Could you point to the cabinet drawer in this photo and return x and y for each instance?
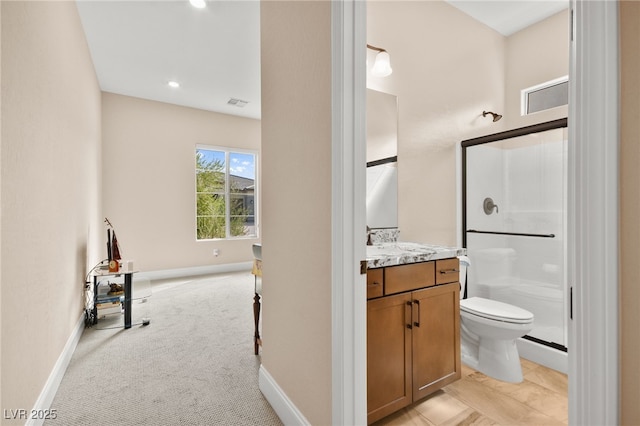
(447, 271)
(409, 277)
(375, 281)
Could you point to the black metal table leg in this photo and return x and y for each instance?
(127, 300)
(256, 318)
(94, 309)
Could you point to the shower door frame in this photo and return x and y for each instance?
(495, 137)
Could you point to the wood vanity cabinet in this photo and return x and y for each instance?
(413, 337)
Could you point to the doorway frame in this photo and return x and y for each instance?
(593, 210)
(593, 213)
(349, 314)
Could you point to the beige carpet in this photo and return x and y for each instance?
(193, 365)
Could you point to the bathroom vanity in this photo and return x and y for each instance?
(413, 323)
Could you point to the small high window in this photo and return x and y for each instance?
(225, 193)
(545, 96)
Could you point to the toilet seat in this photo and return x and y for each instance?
(494, 310)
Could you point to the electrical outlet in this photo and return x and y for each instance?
(216, 252)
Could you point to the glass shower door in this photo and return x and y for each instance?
(514, 218)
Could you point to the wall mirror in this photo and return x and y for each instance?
(382, 160)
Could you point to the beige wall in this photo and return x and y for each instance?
(629, 213)
(149, 180)
(296, 149)
(50, 181)
(448, 68)
(1, 404)
(535, 55)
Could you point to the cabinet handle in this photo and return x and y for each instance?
(374, 283)
(409, 326)
(449, 271)
(417, 323)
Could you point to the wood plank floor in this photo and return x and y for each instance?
(475, 399)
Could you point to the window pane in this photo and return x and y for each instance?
(210, 170)
(209, 181)
(237, 226)
(241, 204)
(548, 97)
(211, 227)
(243, 226)
(210, 205)
(242, 172)
(242, 215)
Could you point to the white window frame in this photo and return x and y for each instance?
(524, 93)
(227, 151)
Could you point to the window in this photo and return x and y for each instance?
(545, 96)
(225, 193)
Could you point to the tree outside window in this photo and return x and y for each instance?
(225, 193)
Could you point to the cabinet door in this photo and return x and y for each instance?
(435, 338)
(388, 355)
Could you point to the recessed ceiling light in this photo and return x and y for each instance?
(173, 84)
(198, 4)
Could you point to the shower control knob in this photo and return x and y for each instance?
(488, 205)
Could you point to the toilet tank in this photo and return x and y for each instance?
(464, 263)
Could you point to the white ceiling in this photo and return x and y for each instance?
(214, 53)
(509, 16)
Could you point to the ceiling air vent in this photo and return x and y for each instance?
(237, 102)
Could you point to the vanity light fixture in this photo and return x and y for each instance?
(382, 65)
(496, 117)
(173, 84)
(198, 4)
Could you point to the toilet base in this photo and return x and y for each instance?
(499, 359)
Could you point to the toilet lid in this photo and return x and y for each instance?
(492, 309)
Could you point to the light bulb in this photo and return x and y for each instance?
(382, 65)
(198, 4)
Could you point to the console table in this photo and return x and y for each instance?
(128, 278)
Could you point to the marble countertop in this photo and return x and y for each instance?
(400, 253)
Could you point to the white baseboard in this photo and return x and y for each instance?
(543, 355)
(282, 405)
(45, 399)
(195, 270)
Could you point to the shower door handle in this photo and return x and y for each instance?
(513, 234)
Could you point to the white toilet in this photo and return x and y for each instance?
(488, 331)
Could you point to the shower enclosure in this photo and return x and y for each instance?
(514, 221)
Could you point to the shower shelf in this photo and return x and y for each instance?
(517, 234)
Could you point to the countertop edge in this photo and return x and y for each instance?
(412, 256)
